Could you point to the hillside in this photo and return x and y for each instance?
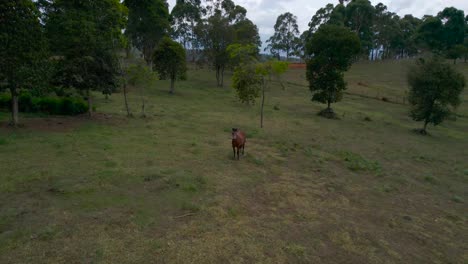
(165, 189)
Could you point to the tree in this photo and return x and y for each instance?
(226, 24)
(22, 49)
(185, 16)
(85, 36)
(408, 29)
(359, 18)
(251, 77)
(140, 77)
(430, 33)
(328, 15)
(465, 44)
(453, 27)
(266, 70)
(435, 89)
(148, 23)
(246, 33)
(386, 32)
(170, 61)
(242, 54)
(456, 52)
(285, 36)
(321, 17)
(331, 50)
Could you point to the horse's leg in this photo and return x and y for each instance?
(234, 151)
(238, 156)
(243, 149)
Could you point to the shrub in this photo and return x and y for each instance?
(50, 105)
(5, 101)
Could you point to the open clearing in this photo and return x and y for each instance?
(165, 189)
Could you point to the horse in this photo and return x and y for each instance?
(238, 142)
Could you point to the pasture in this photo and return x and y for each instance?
(165, 189)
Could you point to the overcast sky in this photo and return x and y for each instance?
(264, 12)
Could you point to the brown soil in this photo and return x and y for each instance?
(297, 66)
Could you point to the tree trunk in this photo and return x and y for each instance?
(222, 76)
(328, 104)
(125, 98)
(217, 75)
(143, 114)
(454, 61)
(14, 109)
(90, 104)
(424, 131)
(172, 85)
(263, 103)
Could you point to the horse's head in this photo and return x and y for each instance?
(234, 133)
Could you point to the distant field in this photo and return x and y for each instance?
(165, 189)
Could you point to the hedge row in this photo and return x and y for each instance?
(48, 105)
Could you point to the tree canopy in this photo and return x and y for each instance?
(285, 37)
(148, 23)
(22, 49)
(226, 24)
(435, 89)
(331, 51)
(169, 60)
(85, 36)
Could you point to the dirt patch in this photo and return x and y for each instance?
(297, 66)
(62, 123)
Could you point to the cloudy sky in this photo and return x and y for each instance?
(264, 12)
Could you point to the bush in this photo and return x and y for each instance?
(5, 101)
(50, 105)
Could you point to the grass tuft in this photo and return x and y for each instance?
(356, 162)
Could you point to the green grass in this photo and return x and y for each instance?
(166, 189)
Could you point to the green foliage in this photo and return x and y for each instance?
(23, 63)
(22, 44)
(331, 51)
(49, 105)
(240, 53)
(226, 24)
(456, 52)
(140, 76)
(246, 33)
(454, 26)
(444, 31)
(430, 33)
(148, 23)
(359, 18)
(184, 17)
(85, 36)
(169, 60)
(435, 89)
(321, 17)
(249, 75)
(356, 162)
(247, 83)
(285, 37)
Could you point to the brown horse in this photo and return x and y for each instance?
(238, 142)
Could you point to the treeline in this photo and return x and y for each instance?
(383, 34)
(72, 47)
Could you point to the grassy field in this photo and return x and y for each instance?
(165, 189)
